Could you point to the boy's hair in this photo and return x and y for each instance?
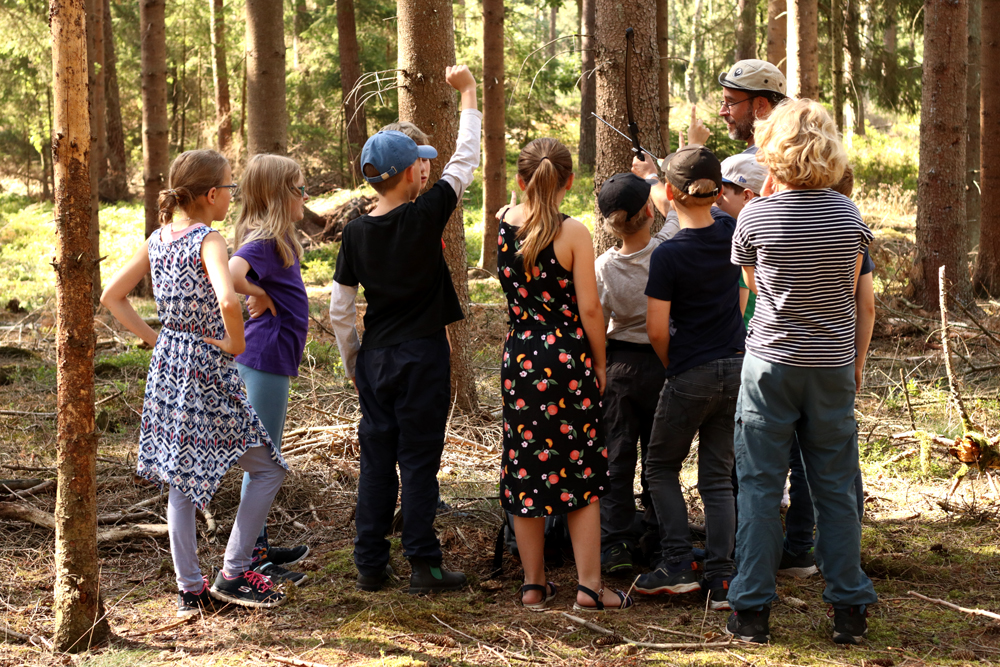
(388, 184)
(702, 186)
(267, 192)
(621, 227)
(192, 174)
(845, 185)
(545, 166)
(419, 137)
(799, 143)
(735, 189)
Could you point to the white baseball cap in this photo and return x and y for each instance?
(743, 170)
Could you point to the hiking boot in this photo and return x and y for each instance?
(278, 574)
(430, 577)
(190, 603)
(374, 582)
(617, 560)
(849, 624)
(279, 555)
(801, 566)
(248, 589)
(718, 593)
(750, 626)
(674, 578)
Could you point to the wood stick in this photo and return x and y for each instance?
(668, 647)
(129, 532)
(466, 441)
(24, 512)
(163, 628)
(956, 393)
(18, 484)
(976, 612)
(119, 516)
(8, 635)
(23, 413)
(293, 661)
(673, 632)
(934, 437)
(513, 654)
(903, 454)
(44, 487)
(906, 392)
(346, 420)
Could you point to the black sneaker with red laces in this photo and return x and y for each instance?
(247, 589)
(850, 624)
(191, 603)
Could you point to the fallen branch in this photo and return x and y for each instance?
(902, 455)
(466, 441)
(293, 661)
(933, 437)
(964, 610)
(163, 628)
(129, 532)
(23, 512)
(667, 647)
(44, 487)
(512, 654)
(22, 413)
(118, 517)
(8, 635)
(19, 484)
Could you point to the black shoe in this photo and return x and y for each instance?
(374, 582)
(428, 577)
(673, 578)
(190, 603)
(802, 566)
(750, 626)
(849, 624)
(280, 555)
(617, 560)
(718, 593)
(278, 574)
(249, 589)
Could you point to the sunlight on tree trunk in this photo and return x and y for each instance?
(587, 149)
(987, 278)
(746, 29)
(350, 72)
(777, 34)
(855, 83)
(803, 49)
(115, 186)
(494, 130)
(663, 46)
(267, 113)
(155, 130)
(95, 85)
(837, 50)
(691, 73)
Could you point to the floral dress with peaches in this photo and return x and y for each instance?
(554, 458)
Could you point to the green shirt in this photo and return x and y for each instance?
(751, 302)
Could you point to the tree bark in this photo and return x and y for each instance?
(803, 49)
(95, 85)
(746, 29)
(691, 73)
(350, 72)
(663, 46)
(987, 278)
(941, 218)
(837, 52)
(553, 15)
(494, 130)
(426, 47)
(587, 148)
(114, 187)
(155, 127)
(267, 113)
(890, 85)
(855, 84)
(220, 78)
(614, 154)
(79, 611)
(777, 34)
(973, 196)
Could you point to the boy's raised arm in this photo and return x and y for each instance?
(459, 170)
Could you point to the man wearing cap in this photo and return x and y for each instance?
(750, 90)
(694, 324)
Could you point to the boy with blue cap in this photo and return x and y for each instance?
(402, 368)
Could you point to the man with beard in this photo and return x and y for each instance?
(750, 90)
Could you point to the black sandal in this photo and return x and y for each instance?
(625, 603)
(540, 605)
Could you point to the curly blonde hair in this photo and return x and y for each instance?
(799, 143)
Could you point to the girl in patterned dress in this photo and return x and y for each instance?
(196, 421)
(552, 377)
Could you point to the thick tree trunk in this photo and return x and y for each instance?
(691, 73)
(220, 78)
(890, 85)
(746, 29)
(803, 49)
(837, 51)
(267, 113)
(614, 154)
(114, 187)
(663, 46)
(855, 83)
(494, 142)
(155, 129)
(553, 15)
(95, 84)
(987, 279)
(973, 196)
(777, 33)
(350, 72)
(426, 47)
(941, 219)
(79, 612)
(300, 21)
(587, 149)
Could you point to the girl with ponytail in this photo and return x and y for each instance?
(552, 378)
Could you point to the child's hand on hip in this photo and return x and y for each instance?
(459, 77)
(258, 304)
(227, 344)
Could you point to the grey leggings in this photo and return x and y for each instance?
(265, 480)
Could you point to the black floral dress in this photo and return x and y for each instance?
(554, 458)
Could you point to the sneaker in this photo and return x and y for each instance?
(718, 593)
(802, 566)
(374, 582)
(849, 624)
(428, 577)
(249, 589)
(673, 578)
(191, 603)
(280, 555)
(278, 574)
(617, 559)
(750, 626)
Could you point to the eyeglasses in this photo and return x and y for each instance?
(726, 106)
(232, 187)
(302, 190)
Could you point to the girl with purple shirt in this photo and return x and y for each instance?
(265, 267)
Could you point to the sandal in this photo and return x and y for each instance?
(625, 603)
(540, 605)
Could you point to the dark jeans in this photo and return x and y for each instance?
(635, 379)
(403, 390)
(699, 401)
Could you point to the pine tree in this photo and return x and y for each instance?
(803, 49)
(987, 277)
(350, 72)
(155, 128)
(494, 130)
(267, 113)
(220, 77)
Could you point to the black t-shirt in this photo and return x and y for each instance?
(693, 272)
(398, 258)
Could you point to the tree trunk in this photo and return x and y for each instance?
(587, 149)
(803, 49)
(855, 84)
(300, 21)
(614, 154)
(350, 72)
(95, 85)
(155, 128)
(220, 78)
(691, 73)
(777, 33)
(987, 279)
(267, 114)
(114, 187)
(495, 144)
(837, 50)
(553, 15)
(79, 611)
(746, 29)
(941, 218)
(663, 46)
(973, 196)
(890, 85)
(426, 47)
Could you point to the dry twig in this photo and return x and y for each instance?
(666, 647)
(975, 612)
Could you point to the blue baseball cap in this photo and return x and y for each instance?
(390, 152)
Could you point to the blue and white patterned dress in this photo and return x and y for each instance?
(196, 420)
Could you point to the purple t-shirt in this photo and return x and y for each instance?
(275, 342)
